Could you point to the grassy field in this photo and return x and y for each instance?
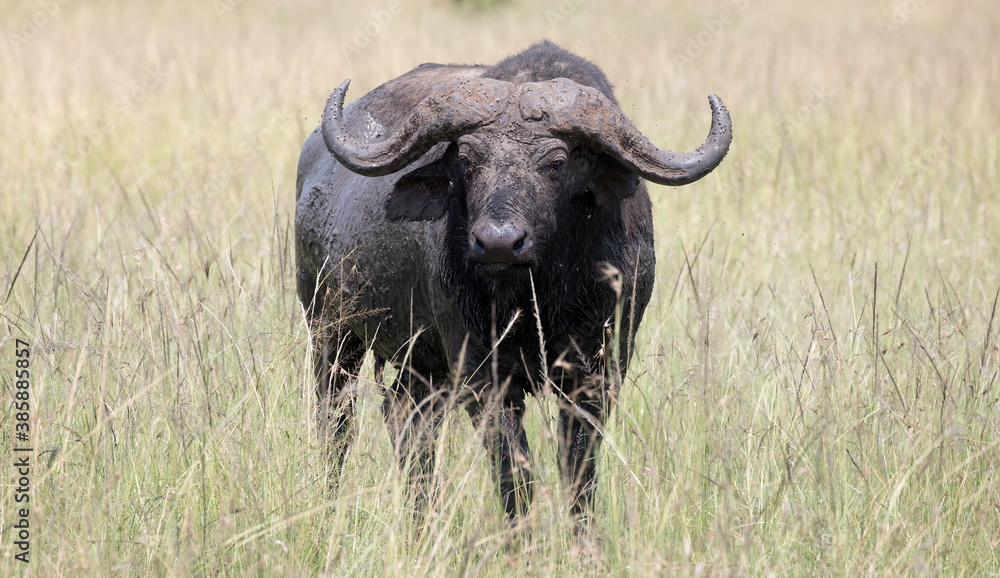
(815, 389)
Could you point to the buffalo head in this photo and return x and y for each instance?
(519, 155)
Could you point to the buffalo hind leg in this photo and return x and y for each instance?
(580, 423)
(337, 359)
(412, 413)
(507, 447)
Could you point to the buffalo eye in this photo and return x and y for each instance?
(465, 162)
(556, 165)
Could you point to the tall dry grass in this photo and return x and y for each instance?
(815, 386)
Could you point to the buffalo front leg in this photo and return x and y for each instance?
(412, 413)
(337, 358)
(507, 447)
(580, 423)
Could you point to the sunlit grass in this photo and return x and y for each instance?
(814, 389)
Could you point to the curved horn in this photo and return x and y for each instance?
(584, 112)
(456, 108)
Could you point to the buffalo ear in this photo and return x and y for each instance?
(421, 195)
(612, 181)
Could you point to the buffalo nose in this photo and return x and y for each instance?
(493, 243)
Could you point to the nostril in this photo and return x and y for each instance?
(492, 242)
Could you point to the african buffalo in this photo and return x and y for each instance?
(486, 230)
